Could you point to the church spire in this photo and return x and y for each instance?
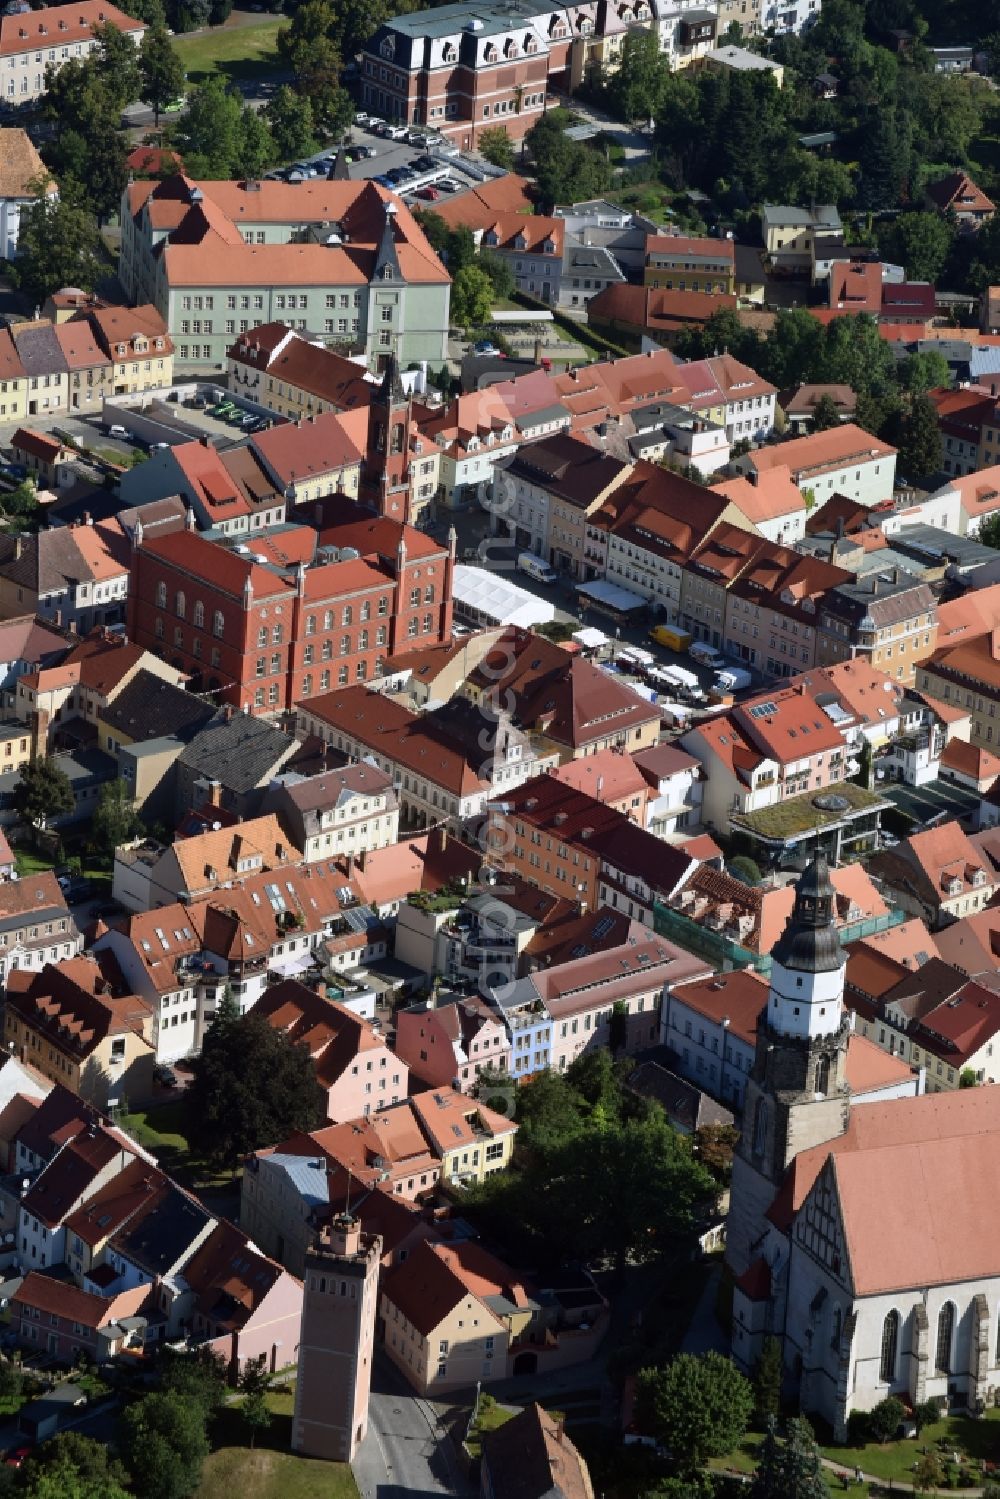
(809, 943)
(386, 258)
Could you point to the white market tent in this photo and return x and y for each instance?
(590, 639)
(493, 600)
(605, 595)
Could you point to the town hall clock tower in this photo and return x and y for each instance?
(797, 1094)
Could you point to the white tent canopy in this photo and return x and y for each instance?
(590, 639)
(493, 600)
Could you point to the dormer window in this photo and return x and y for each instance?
(387, 273)
(121, 349)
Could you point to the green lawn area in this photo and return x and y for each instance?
(31, 861)
(491, 1417)
(270, 1471)
(237, 51)
(977, 1441)
(161, 1129)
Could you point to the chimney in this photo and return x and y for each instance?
(362, 857)
(205, 440)
(88, 519)
(350, 865)
(215, 793)
(442, 838)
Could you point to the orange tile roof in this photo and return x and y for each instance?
(870, 1068)
(61, 25)
(774, 495)
(736, 998)
(822, 450)
(477, 208)
(436, 1278)
(910, 943)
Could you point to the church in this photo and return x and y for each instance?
(863, 1230)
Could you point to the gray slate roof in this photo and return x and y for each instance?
(239, 752)
(150, 708)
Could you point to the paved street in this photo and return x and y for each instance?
(406, 1450)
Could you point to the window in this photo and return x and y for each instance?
(161, 595)
(180, 605)
(199, 614)
(837, 1327)
(759, 1127)
(218, 624)
(945, 1337)
(890, 1346)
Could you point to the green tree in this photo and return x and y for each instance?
(792, 1469)
(471, 297)
(164, 1445)
(309, 49)
(290, 117)
(767, 1380)
(925, 1413)
(256, 151)
(20, 507)
(989, 531)
(115, 61)
(199, 1376)
(209, 135)
(745, 869)
(62, 1481)
(251, 1086)
(921, 242)
(497, 147)
(87, 1460)
(58, 245)
(920, 446)
(637, 88)
(11, 1379)
(253, 1387)
(884, 1418)
(864, 773)
(826, 414)
(43, 792)
(928, 1472)
(967, 1078)
(115, 819)
(160, 69)
(924, 371)
(500, 274)
(698, 1407)
(565, 170)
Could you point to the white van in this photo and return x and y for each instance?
(706, 655)
(536, 568)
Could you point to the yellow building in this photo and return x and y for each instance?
(64, 1023)
(680, 262)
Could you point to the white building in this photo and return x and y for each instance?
(790, 17)
(844, 460)
(33, 41)
(822, 1238)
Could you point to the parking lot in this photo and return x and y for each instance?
(417, 164)
(924, 804)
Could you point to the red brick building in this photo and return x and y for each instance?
(265, 636)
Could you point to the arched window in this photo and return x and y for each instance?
(311, 624)
(178, 637)
(348, 617)
(366, 610)
(180, 604)
(218, 623)
(837, 1328)
(890, 1347)
(199, 614)
(823, 1076)
(945, 1337)
(158, 628)
(161, 595)
(759, 1127)
(363, 640)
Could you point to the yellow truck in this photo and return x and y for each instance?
(670, 636)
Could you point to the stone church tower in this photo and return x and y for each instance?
(797, 1094)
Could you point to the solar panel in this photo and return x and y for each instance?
(763, 710)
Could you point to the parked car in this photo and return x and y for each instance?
(446, 185)
(423, 163)
(116, 430)
(485, 346)
(430, 193)
(395, 132)
(165, 1076)
(361, 118)
(16, 1457)
(365, 153)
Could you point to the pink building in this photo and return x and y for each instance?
(354, 1066)
(239, 1302)
(449, 1041)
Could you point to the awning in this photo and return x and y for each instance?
(296, 963)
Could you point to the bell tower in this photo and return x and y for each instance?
(797, 1094)
(385, 478)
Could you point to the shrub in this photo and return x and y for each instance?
(884, 1418)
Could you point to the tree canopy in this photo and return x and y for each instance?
(164, 1445)
(595, 1166)
(698, 1407)
(252, 1086)
(43, 791)
(58, 245)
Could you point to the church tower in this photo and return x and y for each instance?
(797, 1094)
(385, 476)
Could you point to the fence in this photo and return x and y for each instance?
(726, 953)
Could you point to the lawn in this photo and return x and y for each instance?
(31, 861)
(975, 1440)
(236, 51)
(163, 1129)
(491, 1417)
(270, 1471)
(800, 814)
